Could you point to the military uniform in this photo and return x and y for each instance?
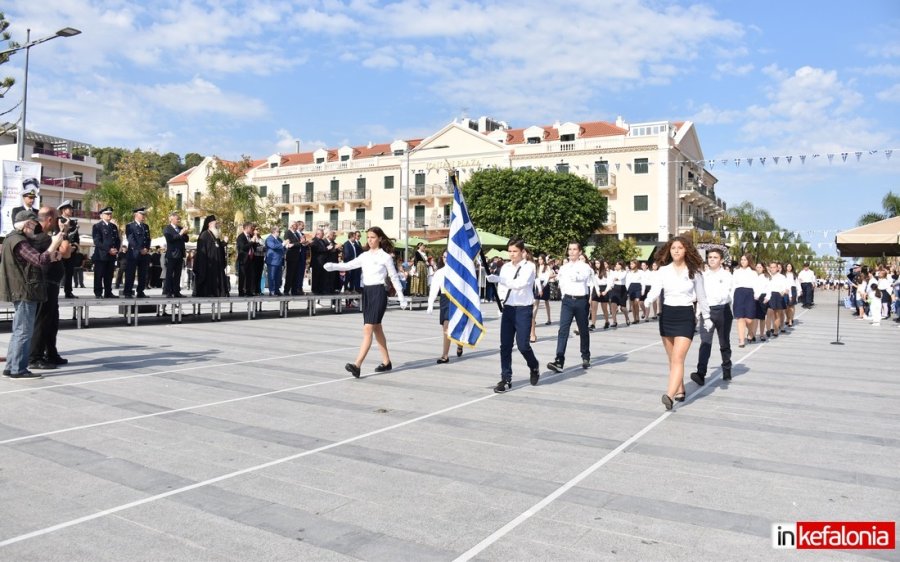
(106, 238)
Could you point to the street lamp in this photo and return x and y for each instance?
(64, 32)
(406, 230)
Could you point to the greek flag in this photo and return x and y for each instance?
(460, 282)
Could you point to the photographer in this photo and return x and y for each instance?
(66, 212)
(44, 354)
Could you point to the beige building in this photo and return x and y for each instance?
(64, 174)
(650, 173)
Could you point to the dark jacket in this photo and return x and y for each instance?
(175, 241)
(106, 236)
(19, 280)
(138, 236)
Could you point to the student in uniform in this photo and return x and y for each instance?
(747, 290)
(376, 263)
(618, 295)
(576, 282)
(634, 285)
(792, 294)
(542, 276)
(437, 289)
(762, 284)
(597, 295)
(719, 287)
(681, 277)
(517, 275)
(651, 278)
(776, 289)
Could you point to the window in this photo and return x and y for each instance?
(196, 224)
(335, 188)
(601, 173)
(320, 160)
(308, 219)
(419, 216)
(389, 182)
(360, 217)
(360, 183)
(197, 197)
(388, 213)
(534, 140)
(345, 157)
(641, 165)
(286, 193)
(309, 192)
(177, 201)
(641, 202)
(398, 152)
(333, 219)
(79, 177)
(76, 205)
(562, 168)
(273, 164)
(285, 219)
(263, 190)
(420, 179)
(567, 138)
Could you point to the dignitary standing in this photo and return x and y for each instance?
(576, 281)
(294, 259)
(681, 278)
(176, 238)
(275, 251)
(138, 256)
(209, 262)
(106, 247)
(319, 255)
(517, 276)
(719, 287)
(244, 261)
(377, 263)
(66, 213)
(351, 251)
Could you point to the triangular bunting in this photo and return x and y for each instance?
(887, 154)
(775, 159)
(749, 161)
(830, 157)
(762, 160)
(802, 159)
(789, 158)
(858, 154)
(737, 162)
(844, 156)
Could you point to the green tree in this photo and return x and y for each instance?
(7, 82)
(612, 250)
(890, 206)
(547, 209)
(192, 159)
(229, 198)
(134, 184)
(768, 243)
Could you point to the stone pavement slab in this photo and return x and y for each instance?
(247, 440)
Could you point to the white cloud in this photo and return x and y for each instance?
(891, 94)
(321, 22)
(732, 69)
(287, 143)
(888, 70)
(380, 60)
(202, 96)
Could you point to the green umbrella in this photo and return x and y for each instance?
(489, 240)
(413, 242)
(495, 253)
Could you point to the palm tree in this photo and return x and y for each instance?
(891, 207)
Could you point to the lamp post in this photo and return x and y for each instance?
(406, 227)
(64, 32)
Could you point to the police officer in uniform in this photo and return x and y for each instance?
(29, 194)
(138, 257)
(106, 246)
(66, 212)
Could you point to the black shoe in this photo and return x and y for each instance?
(667, 402)
(353, 369)
(6, 373)
(443, 360)
(606, 325)
(502, 387)
(26, 374)
(535, 376)
(459, 350)
(556, 366)
(726, 374)
(577, 333)
(141, 296)
(71, 297)
(678, 397)
(592, 327)
(111, 296)
(41, 365)
(178, 296)
(57, 360)
(547, 323)
(382, 367)
(585, 363)
(698, 378)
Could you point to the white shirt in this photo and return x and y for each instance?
(651, 278)
(806, 276)
(777, 283)
(617, 277)
(437, 285)
(542, 278)
(719, 286)
(519, 279)
(633, 277)
(747, 278)
(680, 289)
(376, 265)
(575, 279)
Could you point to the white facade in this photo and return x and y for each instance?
(649, 172)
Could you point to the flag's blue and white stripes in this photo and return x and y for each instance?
(461, 283)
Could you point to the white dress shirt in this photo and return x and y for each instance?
(806, 276)
(617, 277)
(437, 286)
(680, 289)
(634, 276)
(747, 278)
(575, 279)
(519, 280)
(777, 283)
(376, 265)
(719, 286)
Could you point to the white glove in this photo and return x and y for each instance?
(430, 309)
(329, 266)
(404, 304)
(708, 324)
(493, 278)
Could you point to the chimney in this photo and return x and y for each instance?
(620, 123)
(369, 145)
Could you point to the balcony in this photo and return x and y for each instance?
(303, 199)
(356, 195)
(328, 196)
(327, 225)
(355, 225)
(420, 192)
(610, 225)
(82, 214)
(283, 200)
(439, 221)
(441, 190)
(693, 222)
(70, 183)
(606, 183)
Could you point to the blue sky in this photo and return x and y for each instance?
(255, 76)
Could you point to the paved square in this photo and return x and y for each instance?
(246, 440)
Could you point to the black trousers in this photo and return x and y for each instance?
(103, 274)
(172, 285)
(807, 293)
(70, 273)
(721, 318)
(245, 277)
(291, 274)
(46, 327)
(142, 265)
(578, 309)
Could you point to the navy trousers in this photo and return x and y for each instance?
(515, 323)
(573, 308)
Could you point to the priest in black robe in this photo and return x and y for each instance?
(209, 262)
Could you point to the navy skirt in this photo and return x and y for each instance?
(793, 301)
(744, 305)
(761, 309)
(776, 301)
(599, 297)
(374, 303)
(445, 309)
(677, 322)
(618, 295)
(544, 295)
(634, 291)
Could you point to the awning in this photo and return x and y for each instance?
(874, 240)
